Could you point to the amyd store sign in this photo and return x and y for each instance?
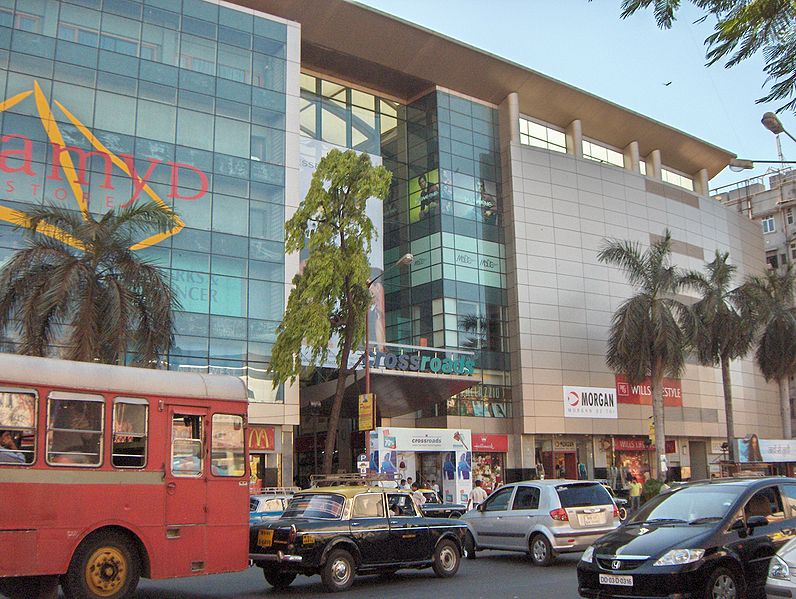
(68, 170)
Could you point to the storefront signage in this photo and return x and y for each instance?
(589, 402)
(70, 164)
(641, 444)
(491, 443)
(755, 449)
(641, 394)
(564, 446)
(418, 363)
(424, 439)
(366, 412)
(261, 438)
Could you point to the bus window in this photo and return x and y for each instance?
(129, 432)
(74, 429)
(17, 426)
(186, 445)
(228, 455)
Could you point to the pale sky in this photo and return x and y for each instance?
(587, 45)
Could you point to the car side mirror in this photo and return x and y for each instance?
(738, 525)
(756, 522)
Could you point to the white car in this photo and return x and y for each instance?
(781, 581)
(541, 518)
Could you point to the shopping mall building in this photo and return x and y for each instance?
(505, 183)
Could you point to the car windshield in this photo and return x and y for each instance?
(316, 505)
(582, 494)
(690, 505)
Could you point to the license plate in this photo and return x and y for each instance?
(265, 538)
(591, 519)
(613, 579)
(308, 539)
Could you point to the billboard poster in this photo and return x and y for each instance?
(590, 402)
(424, 196)
(310, 153)
(366, 419)
(641, 394)
(754, 449)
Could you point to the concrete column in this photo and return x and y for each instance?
(575, 139)
(701, 185)
(509, 119)
(632, 157)
(654, 164)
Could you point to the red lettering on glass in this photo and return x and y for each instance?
(175, 180)
(26, 152)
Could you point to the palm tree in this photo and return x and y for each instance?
(719, 331)
(87, 277)
(646, 338)
(770, 301)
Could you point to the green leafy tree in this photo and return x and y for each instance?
(112, 301)
(720, 331)
(770, 302)
(646, 339)
(743, 27)
(330, 297)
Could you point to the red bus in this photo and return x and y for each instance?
(110, 473)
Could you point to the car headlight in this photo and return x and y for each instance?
(779, 569)
(677, 557)
(588, 555)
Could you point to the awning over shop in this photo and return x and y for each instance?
(397, 393)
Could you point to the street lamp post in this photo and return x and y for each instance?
(402, 261)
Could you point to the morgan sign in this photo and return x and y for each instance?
(589, 402)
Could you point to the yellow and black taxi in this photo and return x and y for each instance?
(342, 531)
(709, 539)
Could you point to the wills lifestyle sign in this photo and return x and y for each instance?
(69, 165)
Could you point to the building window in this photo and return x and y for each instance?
(793, 251)
(768, 225)
(772, 261)
(789, 216)
(599, 153)
(677, 179)
(540, 136)
(643, 167)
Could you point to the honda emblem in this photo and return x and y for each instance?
(616, 564)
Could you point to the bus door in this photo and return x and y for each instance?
(186, 490)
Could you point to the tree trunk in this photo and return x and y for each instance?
(727, 386)
(784, 402)
(657, 417)
(337, 404)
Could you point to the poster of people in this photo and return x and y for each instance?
(424, 196)
(311, 152)
(754, 449)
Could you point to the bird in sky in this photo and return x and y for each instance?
(667, 83)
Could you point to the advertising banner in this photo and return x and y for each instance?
(311, 151)
(424, 196)
(640, 444)
(486, 443)
(366, 412)
(755, 449)
(642, 394)
(589, 402)
(424, 439)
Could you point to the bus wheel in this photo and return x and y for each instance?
(105, 566)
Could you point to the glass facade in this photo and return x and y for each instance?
(182, 101)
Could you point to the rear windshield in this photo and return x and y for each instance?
(582, 494)
(317, 505)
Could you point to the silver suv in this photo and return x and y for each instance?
(542, 518)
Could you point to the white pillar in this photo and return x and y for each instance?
(654, 164)
(575, 139)
(701, 185)
(632, 157)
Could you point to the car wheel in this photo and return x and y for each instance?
(622, 514)
(469, 545)
(105, 565)
(338, 571)
(278, 580)
(723, 584)
(446, 559)
(541, 550)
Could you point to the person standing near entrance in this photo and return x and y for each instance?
(478, 495)
(635, 494)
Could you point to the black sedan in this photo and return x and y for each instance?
(436, 508)
(338, 532)
(711, 539)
